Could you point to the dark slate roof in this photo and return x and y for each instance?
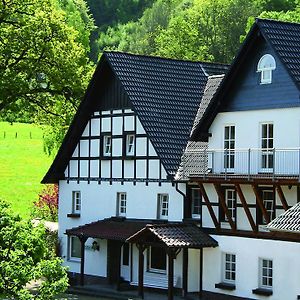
(289, 221)
(113, 229)
(178, 235)
(283, 38)
(191, 160)
(165, 94)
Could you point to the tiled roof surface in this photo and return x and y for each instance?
(112, 229)
(285, 39)
(177, 235)
(289, 221)
(191, 160)
(165, 94)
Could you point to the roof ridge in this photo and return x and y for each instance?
(164, 58)
(257, 20)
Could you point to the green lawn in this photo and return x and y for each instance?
(22, 165)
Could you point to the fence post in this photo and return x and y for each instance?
(16, 135)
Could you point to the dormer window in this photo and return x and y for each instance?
(265, 66)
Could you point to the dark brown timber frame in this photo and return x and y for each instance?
(281, 197)
(260, 203)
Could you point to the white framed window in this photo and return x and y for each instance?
(265, 273)
(156, 260)
(76, 202)
(229, 267)
(163, 206)
(107, 145)
(267, 144)
(74, 248)
(265, 66)
(196, 203)
(268, 197)
(130, 139)
(121, 204)
(229, 146)
(230, 198)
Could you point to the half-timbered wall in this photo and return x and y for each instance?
(88, 162)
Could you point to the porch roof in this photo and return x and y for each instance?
(111, 229)
(176, 235)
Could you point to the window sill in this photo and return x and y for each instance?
(73, 215)
(225, 286)
(263, 292)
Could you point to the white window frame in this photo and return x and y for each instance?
(266, 71)
(196, 207)
(266, 152)
(266, 273)
(107, 145)
(163, 206)
(121, 204)
(71, 244)
(269, 205)
(231, 203)
(229, 146)
(229, 267)
(76, 202)
(149, 267)
(130, 141)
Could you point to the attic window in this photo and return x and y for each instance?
(265, 66)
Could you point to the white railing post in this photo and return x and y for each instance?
(249, 163)
(274, 163)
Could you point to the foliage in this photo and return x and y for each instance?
(42, 59)
(23, 165)
(25, 257)
(47, 205)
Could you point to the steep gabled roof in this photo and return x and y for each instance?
(165, 94)
(282, 37)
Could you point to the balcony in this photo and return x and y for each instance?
(245, 164)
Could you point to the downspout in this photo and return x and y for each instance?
(184, 198)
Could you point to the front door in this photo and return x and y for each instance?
(125, 261)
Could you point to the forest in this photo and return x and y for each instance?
(49, 48)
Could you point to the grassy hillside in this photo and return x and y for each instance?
(22, 165)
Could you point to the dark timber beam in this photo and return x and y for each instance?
(201, 274)
(260, 203)
(141, 248)
(82, 239)
(172, 253)
(281, 197)
(245, 206)
(209, 206)
(224, 206)
(185, 262)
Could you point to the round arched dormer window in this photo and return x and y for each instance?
(265, 66)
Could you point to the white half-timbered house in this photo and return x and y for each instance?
(115, 171)
(244, 158)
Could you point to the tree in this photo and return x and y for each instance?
(46, 206)
(24, 257)
(42, 61)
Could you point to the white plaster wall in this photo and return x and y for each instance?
(99, 201)
(286, 266)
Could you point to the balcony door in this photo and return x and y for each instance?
(267, 145)
(229, 148)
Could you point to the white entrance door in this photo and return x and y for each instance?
(125, 262)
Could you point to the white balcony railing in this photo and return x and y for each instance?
(246, 162)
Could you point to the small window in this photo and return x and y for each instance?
(157, 260)
(163, 206)
(196, 203)
(107, 145)
(265, 66)
(266, 273)
(268, 197)
(121, 204)
(76, 202)
(230, 198)
(74, 248)
(130, 138)
(229, 263)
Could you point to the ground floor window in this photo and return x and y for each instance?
(74, 248)
(266, 273)
(156, 260)
(229, 262)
